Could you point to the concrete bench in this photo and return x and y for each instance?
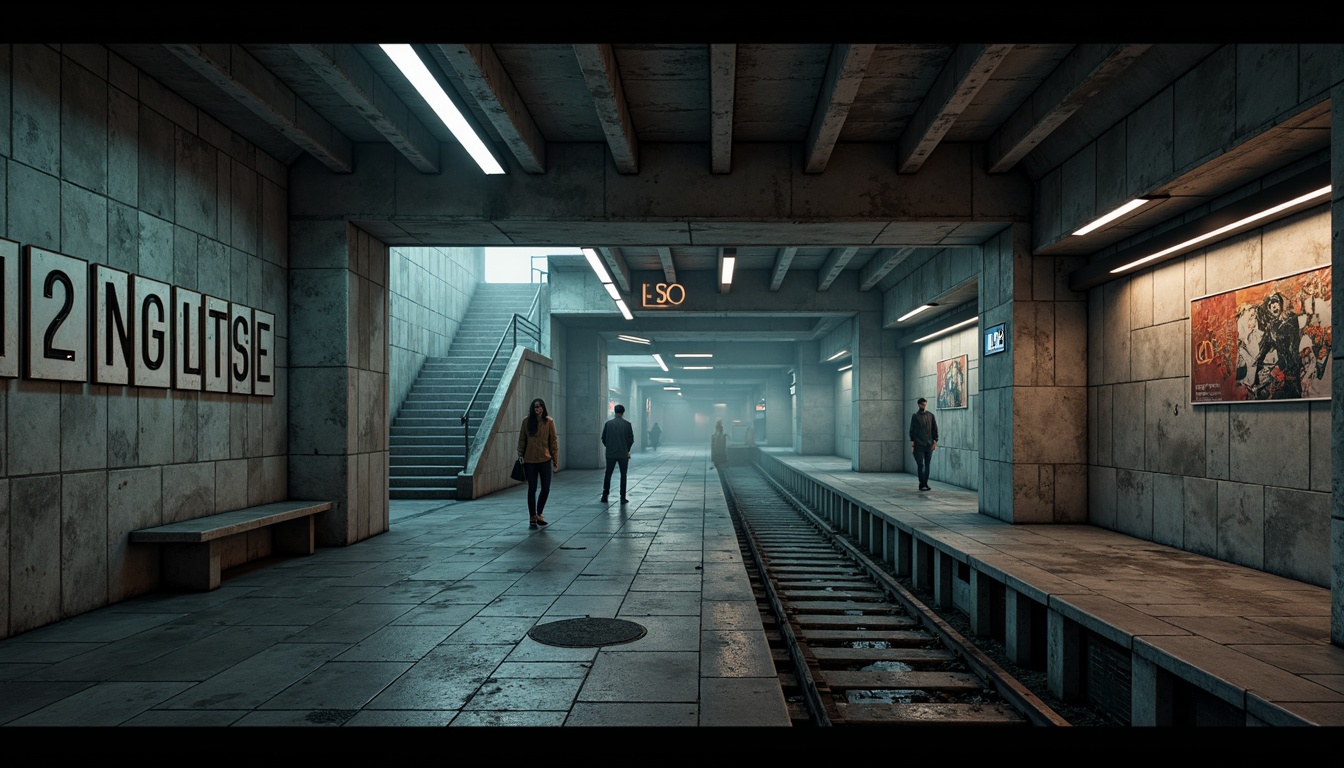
(192, 551)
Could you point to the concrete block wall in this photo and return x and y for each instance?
(103, 164)
(429, 290)
(1248, 483)
(844, 407)
(957, 459)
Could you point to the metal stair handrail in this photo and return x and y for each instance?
(530, 329)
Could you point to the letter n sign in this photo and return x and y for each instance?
(56, 325)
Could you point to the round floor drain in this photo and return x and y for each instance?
(587, 632)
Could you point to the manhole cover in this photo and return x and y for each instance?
(587, 633)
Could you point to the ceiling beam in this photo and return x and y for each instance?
(782, 261)
(844, 74)
(342, 68)
(620, 271)
(598, 64)
(882, 262)
(494, 92)
(722, 83)
(669, 269)
(834, 265)
(245, 79)
(970, 67)
(1088, 69)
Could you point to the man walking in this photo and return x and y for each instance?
(619, 437)
(923, 441)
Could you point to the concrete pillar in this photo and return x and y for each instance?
(1337, 386)
(338, 377)
(1150, 693)
(982, 604)
(943, 567)
(877, 426)
(1064, 654)
(813, 403)
(1017, 635)
(1029, 474)
(584, 373)
(778, 413)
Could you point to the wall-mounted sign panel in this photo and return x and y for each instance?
(9, 309)
(113, 347)
(996, 339)
(216, 321)
(240, 349)
(662, 295)
(153, 321)
(188, 339)
(263, 344)
(57, 317)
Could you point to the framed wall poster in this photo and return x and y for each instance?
(952, 383)
(1262, 342)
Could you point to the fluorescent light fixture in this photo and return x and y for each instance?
(611, 291)
(672, 389)
(625, 311)
(635, 339)
(661, 379)
(697, 367)
(726, 271)
(595, 262)
(693, 354)
(1113, 215)
(414, 69)
(948, 329)
(1323, 191)
(915, 311)
(838, 355)
(659, 359)
(844, 368)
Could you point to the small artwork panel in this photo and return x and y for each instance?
(952, 377)
(1267, 341)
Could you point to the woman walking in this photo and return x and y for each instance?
(539, 450)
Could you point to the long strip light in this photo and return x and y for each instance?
(697, 367)
(726, 273)
(672, 389)
(838, 355)
(406, 59)
(693, 354)
(1113, 215)
(595, 262)
(657, 358)
(1312, 195)
(625, 311)
(948, 329)
(635, 339)
(844, 368)
(915, 311)
(661, 379)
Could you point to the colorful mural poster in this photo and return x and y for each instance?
(952, 383)
(1268, 341)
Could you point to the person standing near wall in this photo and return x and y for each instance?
(655, 435)
(718, 446)
(923, 441)
(618, 437)
(539, 450)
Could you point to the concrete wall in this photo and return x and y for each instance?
(1248, 483)
(429, 291)
(957, 459)
(102, 164)
(844, 409)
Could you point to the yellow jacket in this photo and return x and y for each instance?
(541, 447)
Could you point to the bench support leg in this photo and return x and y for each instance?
(191, 566)
(295, 537)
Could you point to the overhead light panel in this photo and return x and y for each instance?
(844, 367)
(612, 292)
(635, 339)
(915, 311)
(947, 330)
(726, 270)
(406, 59)
(595, 261)
(661, 379)
(838, 355)
(693, 354)
(697, 367)
(625, 311)
(672, 389)
(1137, 202)
(657, 358)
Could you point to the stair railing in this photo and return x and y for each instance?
(517, 324)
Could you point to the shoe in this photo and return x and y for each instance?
(925, 488)
(541, 520)
(624, 500)
(532, 523)
(604, 498)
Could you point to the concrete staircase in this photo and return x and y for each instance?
(427, 436)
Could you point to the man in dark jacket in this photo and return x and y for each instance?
(619, 437)
(923, 441)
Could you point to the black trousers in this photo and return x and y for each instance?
(612, 463)
(537, 474)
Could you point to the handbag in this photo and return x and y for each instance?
(518, 473)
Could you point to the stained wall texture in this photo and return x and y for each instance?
(429, 291)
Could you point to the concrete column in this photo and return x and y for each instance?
(1030, 473)
(813, 403)
(876, 429)
(1017, 636)
(943, 566)
(1150, 694)
(1063, 656)
(584, 372)
(338, 377)
(1337, 386)
(778, 413)
(982, 604)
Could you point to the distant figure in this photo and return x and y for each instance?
(718, 446)
(618, 436)
(539, 450)
(923, 441)
(655, 435)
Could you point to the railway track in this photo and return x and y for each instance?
(852, 646)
